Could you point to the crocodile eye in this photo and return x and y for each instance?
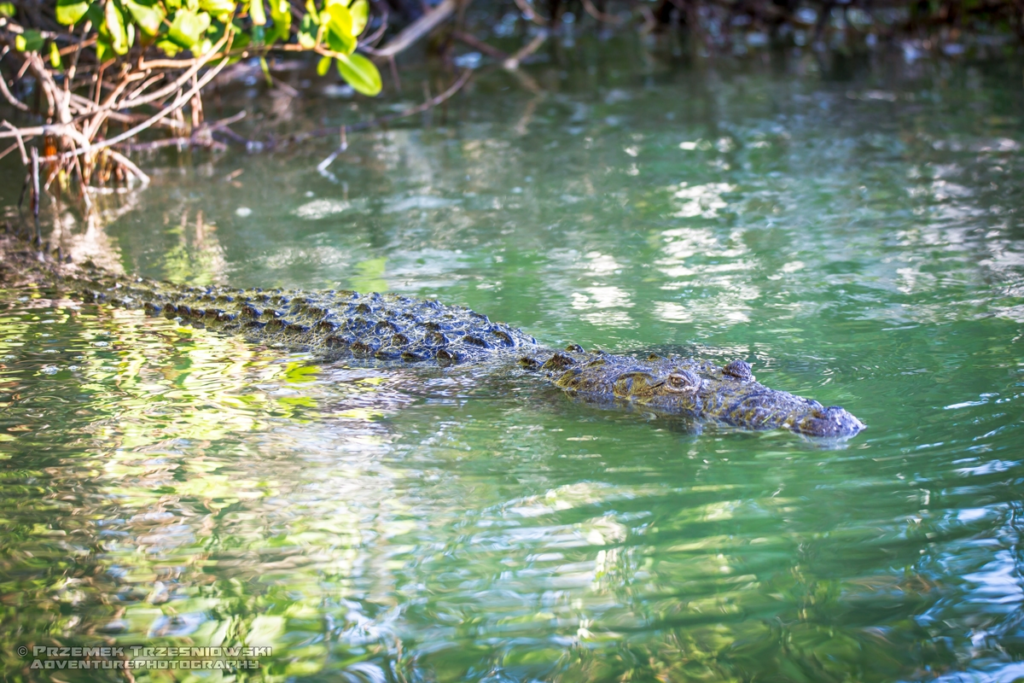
(683, 382)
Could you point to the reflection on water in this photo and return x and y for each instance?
(858, 241)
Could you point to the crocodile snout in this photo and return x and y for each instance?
(831, 421)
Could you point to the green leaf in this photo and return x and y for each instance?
(188, 28)
(345, 45)
(95, 15)
(169, 47)
(29, 41)
(266, 72)
(104, 50)
(312, 12)
(257, 13)
(360, 73)
(281, 13)
(360, 10)
(323, 65)
(69, 12)
(217, 7)
(7, 9)
(149, 17)
(338, 19)
(307, 32)
(240, 41)
(55, 60)
(114, 21)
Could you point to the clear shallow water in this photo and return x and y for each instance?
(856, 235)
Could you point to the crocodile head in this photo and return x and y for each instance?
(704, 391)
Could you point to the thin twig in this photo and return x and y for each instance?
(411, 111)
(372, 39)
(513, 62)
(226, 122)
(78, 53)
(424, 106)
(527, 9)
(132, 168)
(650, 23)
(479, 45)
(599, 15)
(197, 139)
(394, 74)
(416, 30)
(53, 176)
(83, 183)
(9, 150)
(16, 29)
(177, 84)
(178, 103)
(523, 124)
(150, 82)
(20, 141)
(15, 102)
(171, 142)
(322, 167)
(35, 191)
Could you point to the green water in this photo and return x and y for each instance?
(856, 234)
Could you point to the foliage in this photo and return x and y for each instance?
(87, 63)
(196, 26)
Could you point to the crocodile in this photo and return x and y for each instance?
(388, 328)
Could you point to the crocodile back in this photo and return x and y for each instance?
(330, 324)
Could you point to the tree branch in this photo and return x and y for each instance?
(178, 103)
(512, 63)
(527, 9)
(416, 30)
(477, 44)
(15, 102)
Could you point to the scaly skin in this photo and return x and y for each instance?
(389, 328)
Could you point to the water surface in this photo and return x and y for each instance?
(855, 234)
